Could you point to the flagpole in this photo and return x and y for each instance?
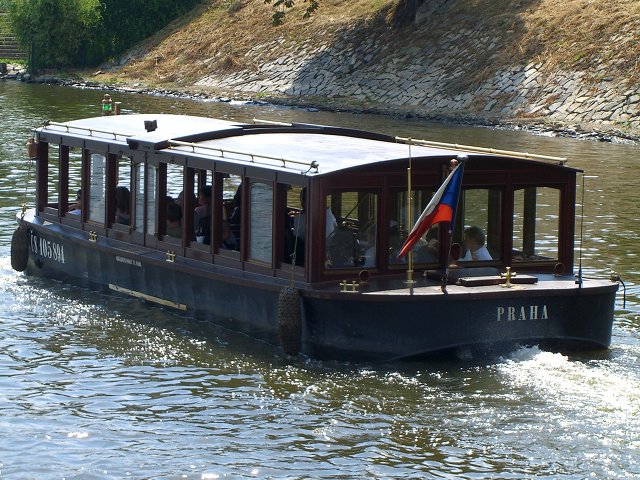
(410, 281)
(460, 159)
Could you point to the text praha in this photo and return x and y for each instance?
(523, 312)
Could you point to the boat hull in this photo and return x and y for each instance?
(367, 325)
(424, 325)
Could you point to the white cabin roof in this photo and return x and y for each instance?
(282, 147)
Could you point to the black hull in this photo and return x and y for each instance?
(576, 320)
(334, 325)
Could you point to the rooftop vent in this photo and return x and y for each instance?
(150, 125)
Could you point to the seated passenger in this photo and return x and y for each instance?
(236, 214)
(332, 223)
(76, 208)
(429, 250)
(122, 206)
(370, 247)
(174, 220)
(228, 238)
(474, 243)
(202, 213)
(300, 220)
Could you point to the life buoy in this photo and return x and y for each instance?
(20, 248)
(289, 320)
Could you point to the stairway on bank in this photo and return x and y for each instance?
(9, 48)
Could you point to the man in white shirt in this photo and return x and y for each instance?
(474, 243)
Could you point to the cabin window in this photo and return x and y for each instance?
(351, 229)
(478, 226)
(536, 218)
(74, 194)
(427, 248)
(151, 199)
(175, 199)
(54, 176)
(296, 225)
(260, 222)
(139, 173)
(123, 192)
(232, 211)
(203, 204)
(97, 182)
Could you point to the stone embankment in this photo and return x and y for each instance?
(457, 74)
(440, 78)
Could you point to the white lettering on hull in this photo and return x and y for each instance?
(46, 248)
(128, 261)
(522, 313)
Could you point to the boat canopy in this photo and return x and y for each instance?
(302, 201)
(273, 146)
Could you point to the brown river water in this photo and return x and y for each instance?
(101, 387)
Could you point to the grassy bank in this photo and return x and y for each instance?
(223, 35)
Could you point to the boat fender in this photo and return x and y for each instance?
(20, 248)
(289, 320)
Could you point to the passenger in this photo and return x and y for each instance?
(236, 214)
(174, 220)
(295, 236)
(331, 223)
(76, 208)
(396, 241)
(123, 215)
(300, 220)
(429, 251)
(180, 199)
(370, 252)
(202, 214)
(474, 243)
(228, 238)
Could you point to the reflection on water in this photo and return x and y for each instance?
(96, 386)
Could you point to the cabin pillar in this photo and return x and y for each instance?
(63, 185)
(529, 222)
(42, 175)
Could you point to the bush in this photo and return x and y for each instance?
(64, 33)
(126, 22)
(55, 31)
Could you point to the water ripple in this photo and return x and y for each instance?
(101, 387)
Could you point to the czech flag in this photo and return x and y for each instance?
(441, 208)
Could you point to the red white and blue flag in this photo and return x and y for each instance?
(441, 208)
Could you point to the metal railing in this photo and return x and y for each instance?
(252, 157)
(473, 149)
(91, 131)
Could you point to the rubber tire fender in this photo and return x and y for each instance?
(20, 248)
(289, 320)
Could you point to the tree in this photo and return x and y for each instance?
(62, 33)
(126, 22)
(285, 5)
(56, 32)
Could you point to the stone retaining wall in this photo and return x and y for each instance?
(440, 77)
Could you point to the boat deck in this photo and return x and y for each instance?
(546, 283)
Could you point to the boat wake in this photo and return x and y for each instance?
(602, 392)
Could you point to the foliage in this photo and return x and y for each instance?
(126, 22)
(65, 33)
(286, 5)
(55, 31)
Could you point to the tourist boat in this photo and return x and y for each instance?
(290, 233)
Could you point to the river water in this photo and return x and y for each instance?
(99, 387)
